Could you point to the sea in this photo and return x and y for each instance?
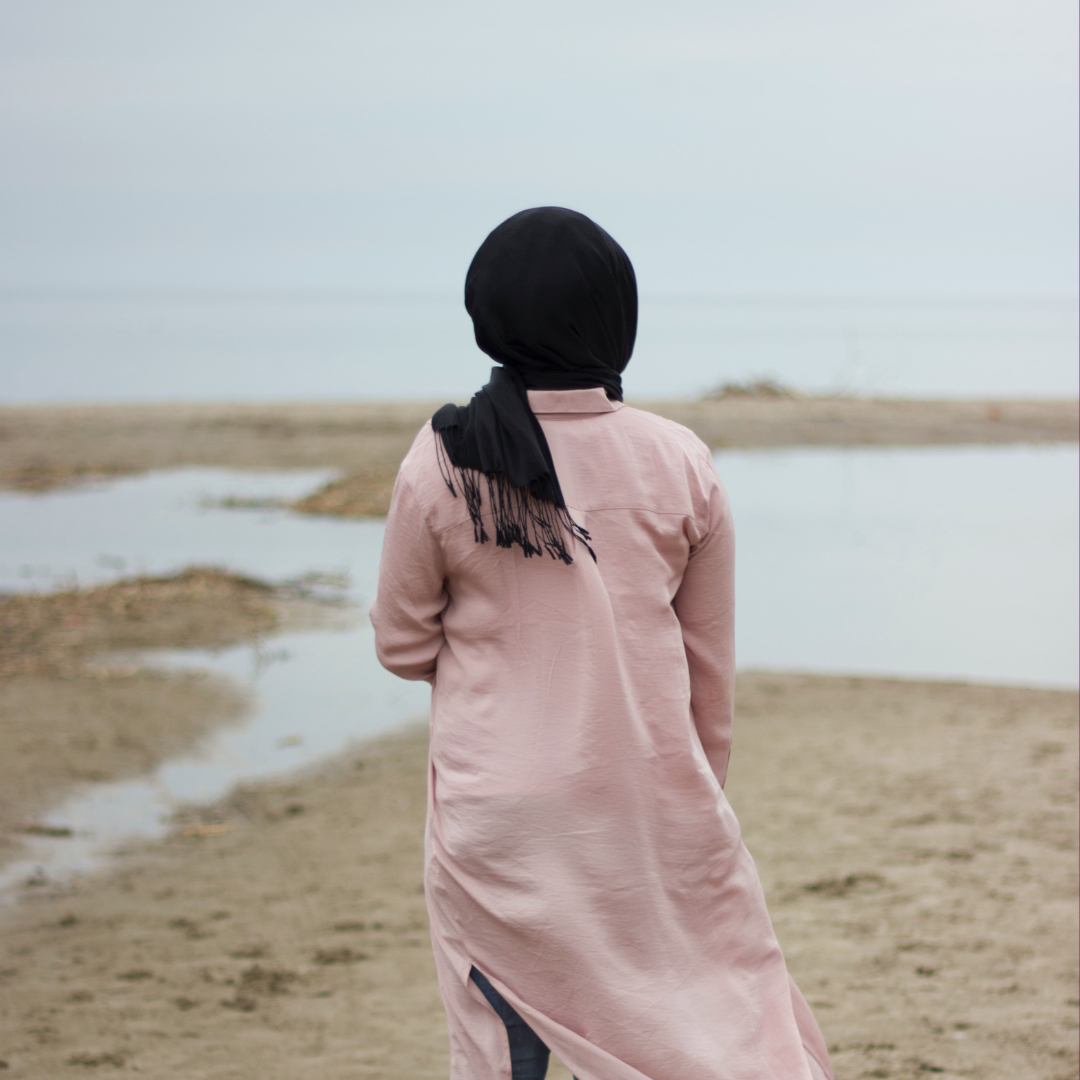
(141, 347)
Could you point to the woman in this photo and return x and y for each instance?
(560, 568)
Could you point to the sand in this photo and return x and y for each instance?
(74, 708)
(49, 446)
(916, 842)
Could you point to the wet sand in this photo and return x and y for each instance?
(48, 446)
(73, 709)
(916, 841)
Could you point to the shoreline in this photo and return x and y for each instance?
(48, 446)
(81, 700)
(916, 839)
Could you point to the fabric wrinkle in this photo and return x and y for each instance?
(581, 852)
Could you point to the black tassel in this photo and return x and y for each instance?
(528, 516)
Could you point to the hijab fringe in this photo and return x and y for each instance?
(525, 516)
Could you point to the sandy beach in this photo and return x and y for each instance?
(917, 840)
(45, 447)
(250, 251)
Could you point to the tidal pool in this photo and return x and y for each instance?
(941, 563)
(956, 563)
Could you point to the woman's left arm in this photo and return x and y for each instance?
(705, 605)
(407, 613)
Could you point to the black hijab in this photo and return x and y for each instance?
(554, 300)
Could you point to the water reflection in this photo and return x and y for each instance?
(936, 562)
(946, 563)
(315, 692)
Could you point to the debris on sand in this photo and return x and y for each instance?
(753, 388)
(358, 495)
(55, 633)
(48, 476)
(115, 1058)
(843, 886)
(35, 829)
(259, 980)
(344, 955)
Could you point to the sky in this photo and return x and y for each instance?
(927, 147)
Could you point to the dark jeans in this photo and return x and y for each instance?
(528, 1054)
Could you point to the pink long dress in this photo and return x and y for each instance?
(580, 850)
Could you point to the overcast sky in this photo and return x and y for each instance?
(922, 146)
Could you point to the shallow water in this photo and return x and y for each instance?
(315, 691)
(946, 563)
(956, 563)
(164, 521)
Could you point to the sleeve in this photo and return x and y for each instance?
(407, 613)
(705, 606)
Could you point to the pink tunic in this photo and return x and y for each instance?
(580, 850)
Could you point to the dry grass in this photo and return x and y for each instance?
(55, 633)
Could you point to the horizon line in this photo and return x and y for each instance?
(1056, 298)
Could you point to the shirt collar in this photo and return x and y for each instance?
(592, 400)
